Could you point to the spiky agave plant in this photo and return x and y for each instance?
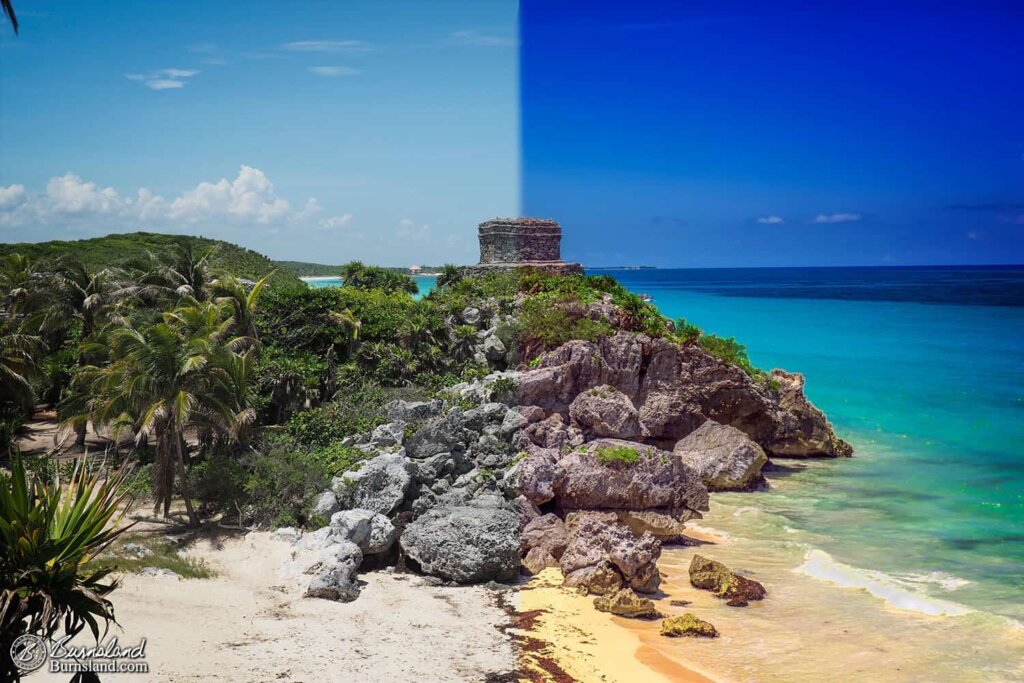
(48, 534)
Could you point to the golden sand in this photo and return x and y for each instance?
(566, 639)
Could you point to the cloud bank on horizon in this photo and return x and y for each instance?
(248, 200)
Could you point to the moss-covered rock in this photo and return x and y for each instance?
(689, 626)
(726, 584)
(626, 603)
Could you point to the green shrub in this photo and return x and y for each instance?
(617, 456)
(355, 410)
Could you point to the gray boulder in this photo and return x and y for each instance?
(609, 474)
(333, 572)
(604, 411)
(605, 556)
(326, 505)
(494, 350)
(379, 485)
(725, 458)
(388, 435)
(413, 411)
(371, 531)
(466, 544)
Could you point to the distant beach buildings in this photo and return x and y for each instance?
(415, 270)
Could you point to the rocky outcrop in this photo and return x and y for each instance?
(371, 531)
(716, 577)
(465, 544)
(604, 557)
(803, 429)
(604, 411)
(656, 480)
(687, 625)
(379, 485)
(725, 458)
(626, 603)
(675, 389)
(667, 527)
(325, 567)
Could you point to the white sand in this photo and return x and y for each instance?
(248, 624)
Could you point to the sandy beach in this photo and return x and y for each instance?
(250, 624)
(564, 632)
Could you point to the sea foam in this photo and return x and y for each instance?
(822, 566)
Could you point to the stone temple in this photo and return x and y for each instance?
(508, 243)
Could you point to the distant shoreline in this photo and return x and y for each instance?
(321, 278)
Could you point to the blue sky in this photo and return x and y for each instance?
(322, 131)
(759, 134)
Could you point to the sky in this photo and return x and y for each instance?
(696, 134)
(716, 134)
(382, 130)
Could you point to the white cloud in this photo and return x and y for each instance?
(334, 71)
(163, 79)
(328, 46)
(837, 218)
(475, 38)
(11, 196)
(407, 230)
(247, 200)
(770, 220)
(179, 73)
(336, 222)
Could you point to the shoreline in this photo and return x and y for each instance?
(587, 644)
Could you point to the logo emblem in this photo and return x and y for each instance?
(28, 652)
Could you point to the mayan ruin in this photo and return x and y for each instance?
(507, 243)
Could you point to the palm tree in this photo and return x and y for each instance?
(9, 11)
(181, 373)
(242, 299)
(352, 273)
(449, 275)
(77, 294)
(189, 268)
(348, 327)
(20, 281)
(18, 353)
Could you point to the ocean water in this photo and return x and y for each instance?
(920, 535)
(424, 282)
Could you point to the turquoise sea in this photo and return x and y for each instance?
(922, 370)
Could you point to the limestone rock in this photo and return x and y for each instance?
(371, 531)
(804, 430)
(626, 603)
(604, 411)
(687, 625)
(413, 411)
(464, 543)
(546, 532)
(539, 476)
(494, 349)
(379, 485)
(724, 457)
(333, 572)
(326, 504)
(656, 479)
(724, 583)
(537, 560)
(596, 547)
